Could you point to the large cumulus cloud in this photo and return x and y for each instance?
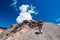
(25, 14)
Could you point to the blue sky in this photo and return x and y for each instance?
(48, 11)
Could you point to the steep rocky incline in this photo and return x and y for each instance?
(49, 32)
(27, 30)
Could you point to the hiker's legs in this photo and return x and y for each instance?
(40, 30)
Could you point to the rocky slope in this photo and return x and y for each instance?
(26, 31)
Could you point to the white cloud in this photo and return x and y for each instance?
(26, 11)
(58, 20)
(25, 14)
(14, 4)
(58, 24)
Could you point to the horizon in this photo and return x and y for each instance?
(48, 11)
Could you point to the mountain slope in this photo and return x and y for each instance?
(50, 31)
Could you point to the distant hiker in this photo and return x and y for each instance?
(40, 24)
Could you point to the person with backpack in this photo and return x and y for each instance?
(40, 24)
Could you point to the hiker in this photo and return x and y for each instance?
(40, 24)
